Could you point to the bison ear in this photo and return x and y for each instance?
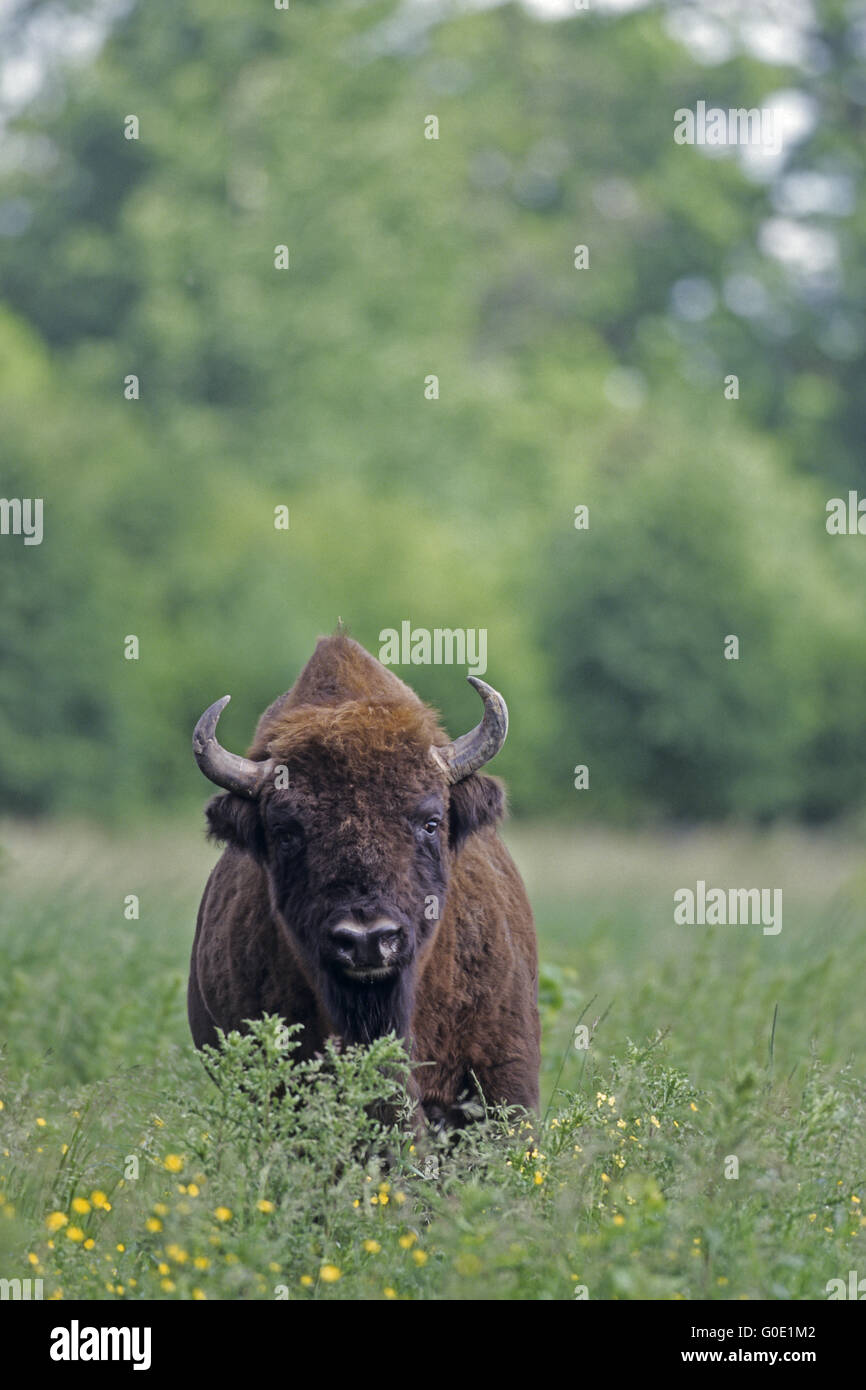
(236, 821)
(475, 802)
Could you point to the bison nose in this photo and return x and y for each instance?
(366, 948)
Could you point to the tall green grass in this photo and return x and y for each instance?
(126, 1172)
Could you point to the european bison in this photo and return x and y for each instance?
(364, 888)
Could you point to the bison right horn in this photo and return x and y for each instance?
(241, 775)
(471, 751)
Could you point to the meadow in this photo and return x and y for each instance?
(707, 1144)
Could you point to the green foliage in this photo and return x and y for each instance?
(662, 718)
(250, 1174)
(244, 1192)
(305, 388)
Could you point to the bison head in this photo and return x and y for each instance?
(354, 808)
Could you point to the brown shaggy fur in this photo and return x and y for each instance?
(349, 840)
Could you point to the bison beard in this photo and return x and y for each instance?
(328, 876)
(362, 1012)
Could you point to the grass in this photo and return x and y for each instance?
(126, 1173)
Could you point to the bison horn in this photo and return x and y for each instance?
(471, 751)
(241, 775)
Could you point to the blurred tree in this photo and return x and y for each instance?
(305, 387)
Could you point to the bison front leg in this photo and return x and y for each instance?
(513, 1082)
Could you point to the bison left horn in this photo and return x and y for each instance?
(241, 775)
(471, 751)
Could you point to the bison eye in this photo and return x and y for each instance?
(289, 837)
(432, 825)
